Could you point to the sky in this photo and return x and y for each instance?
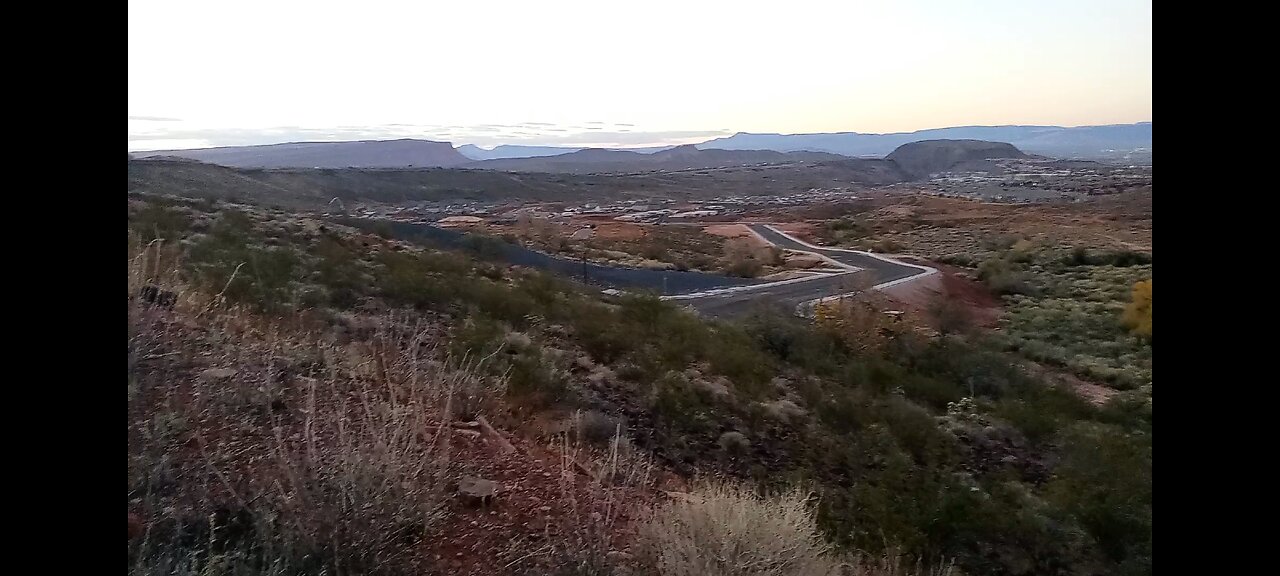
(595, 73)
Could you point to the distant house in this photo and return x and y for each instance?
(459, 222)
(695, 214)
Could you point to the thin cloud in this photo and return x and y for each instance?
(154, 119)
(160, 136)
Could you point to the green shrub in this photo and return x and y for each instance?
(595, 427)
(678, 405)
(1003, 277)
(157, 220)
(959, 259)
(1104, 481)
(744, 268)
(532, 376)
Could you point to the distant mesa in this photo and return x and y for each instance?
(1088, 142)
(687, 157)
(358, 154)
(928, 157)
(511, 151)
(1125, 142)
(504, 151)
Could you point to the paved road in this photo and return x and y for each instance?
(882, 270)
(786, 296)
(659, 281)
(870, 270)
(743, 294)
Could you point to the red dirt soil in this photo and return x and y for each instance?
(535, 506)
(802, 230)
(982, 306)
(735, 231)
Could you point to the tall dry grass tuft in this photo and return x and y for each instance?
(723, 529)
(257, 447)
(591, 483)
(365, 474)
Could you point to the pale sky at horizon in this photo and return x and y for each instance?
(601, 74)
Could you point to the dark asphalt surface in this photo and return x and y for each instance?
(790, 296)
(883, 271)
(674, 282)
(663, 282)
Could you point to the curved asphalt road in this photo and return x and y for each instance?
(660, 281)
(884, 270)
(884, 273)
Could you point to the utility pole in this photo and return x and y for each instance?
(582, 236)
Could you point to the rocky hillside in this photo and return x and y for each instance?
(360, 154)
(921, 159)
(315, 397)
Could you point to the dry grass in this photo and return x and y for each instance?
(257, 447)
(726, 530)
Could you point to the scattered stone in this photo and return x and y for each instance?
(216, 375)
(718, 388)
(477, 491)
(784, 410)
(616, 556)
(600, 375)
(518, 341)
(156, 296)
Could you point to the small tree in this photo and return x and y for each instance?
(1137, 315)
(950, 315)
(859, 325)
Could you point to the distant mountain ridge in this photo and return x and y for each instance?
(355, 154)
(1056, 141)
(1086, 142)
(520, 151)
(687, 157)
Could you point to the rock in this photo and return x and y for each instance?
(154, 295)
(477, 491)
(518, 341)
(584, 362)
(600, 375)
(216, 375)
(784, 410)
(617, 556)
(717, 389)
